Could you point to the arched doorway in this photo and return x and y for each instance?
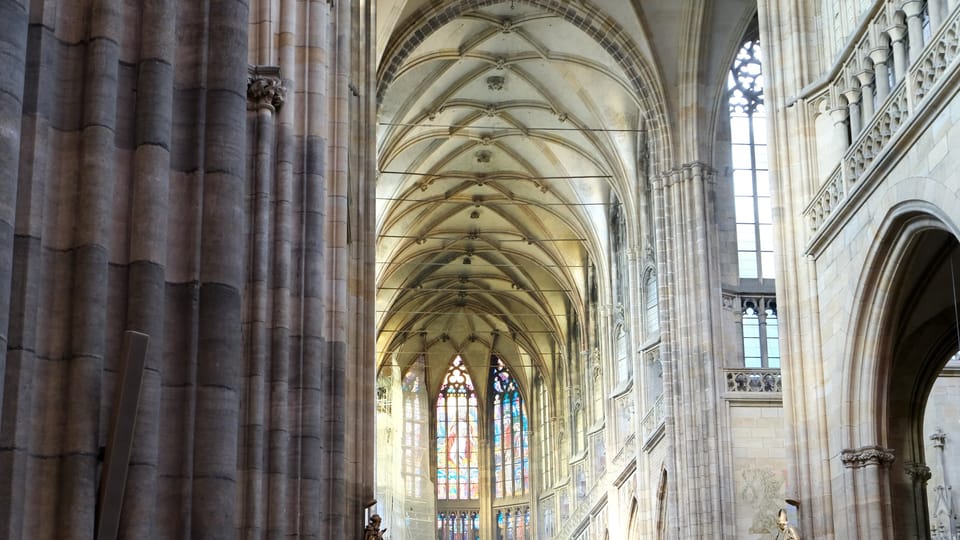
(907, 332)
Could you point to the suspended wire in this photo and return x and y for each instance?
(466, 235)
(483, 265)
(414, 312)
(522, 130)
(498, 291)
(488, 177)
(436, 332)
(492, 202)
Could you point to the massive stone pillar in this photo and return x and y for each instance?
(147, 184)
(689, 277)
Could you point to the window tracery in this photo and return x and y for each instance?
(751, 187)
(458, 465)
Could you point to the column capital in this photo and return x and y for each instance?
(919, 472)
(265, 88)
(866, 456)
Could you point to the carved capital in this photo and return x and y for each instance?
(265, 88)
(866, 456)
(918, 472)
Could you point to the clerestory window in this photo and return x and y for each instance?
(751, 187)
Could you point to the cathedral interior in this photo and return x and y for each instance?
(480, 269)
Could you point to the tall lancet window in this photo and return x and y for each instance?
(751, 188)
(458, 465)
(511, 462)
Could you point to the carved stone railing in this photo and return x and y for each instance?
(753, 380)
(654, 418)
(866, 111)
(876, 135)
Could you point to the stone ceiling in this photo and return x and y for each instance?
(506, 133)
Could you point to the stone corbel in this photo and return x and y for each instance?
(265, 88)
(866, 456)
(918, 472)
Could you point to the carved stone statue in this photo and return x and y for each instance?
(786, 531)
(373, 530)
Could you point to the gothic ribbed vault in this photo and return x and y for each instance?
(503, 139)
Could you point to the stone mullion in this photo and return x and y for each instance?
(146, 306)
(81, 439)
(219, 351)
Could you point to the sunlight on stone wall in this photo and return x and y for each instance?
(759, 465)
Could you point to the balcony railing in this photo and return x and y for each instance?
(753, 380)
(868, 111)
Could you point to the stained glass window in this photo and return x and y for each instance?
(751, 188)
(458, 469)
(513, 523)
(511, 467)
(458, 525)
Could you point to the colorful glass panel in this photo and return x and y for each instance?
(511, 469)
(458, 469)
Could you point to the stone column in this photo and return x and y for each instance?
(852, 93)
(878, 55)
(91, 242)
(869, 465)
(265, 95)
(913, 9)
(13, 63)
(281, 289)
(222, 261)
(919, 476)
(13, 41)
(935, 9)
(146, 290)
(865, 76)
(897, 32)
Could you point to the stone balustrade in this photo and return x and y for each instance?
(654, 418)
(867, 102)
(753, 380)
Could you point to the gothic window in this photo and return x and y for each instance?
(623, 359)
(458, 468)
(513, 523)
(511, 462)
(651, 306)
(751, 187)
(544, 439)
(458, 525)
(761, 348)
(413, 432)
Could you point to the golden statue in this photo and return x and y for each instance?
(786, 531)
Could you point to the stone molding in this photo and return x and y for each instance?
(866, 456)
(265, 88)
